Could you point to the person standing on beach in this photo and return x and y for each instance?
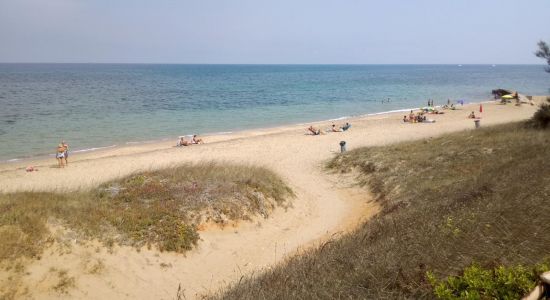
(66, 153)
(60, 155)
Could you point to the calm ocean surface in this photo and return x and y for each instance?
(99, 105)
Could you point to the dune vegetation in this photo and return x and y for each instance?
(159, 209)
(464, 203)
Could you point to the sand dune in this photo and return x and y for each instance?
(325, 204)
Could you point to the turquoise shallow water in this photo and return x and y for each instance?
(99, 105)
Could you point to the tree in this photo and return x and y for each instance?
(544, 53)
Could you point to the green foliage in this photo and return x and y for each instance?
(161, 208)
(480, 283)
(544, 53)
(541, 118)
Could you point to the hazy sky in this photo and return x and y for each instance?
(277, 31)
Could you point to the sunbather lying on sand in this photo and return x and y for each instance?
(314, 131)
(334, 129)
(196, 140)
(346, 126)
(183, 142)
(472, 115)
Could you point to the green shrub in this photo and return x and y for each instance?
(480, 283)
(541, 118)
(162, 208)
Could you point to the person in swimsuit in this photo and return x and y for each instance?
(184, 142)
(66, 154)
(412, 117)
(314, 131)
(60, 155)
(346, 126)
(196, 140)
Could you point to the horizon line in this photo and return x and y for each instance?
(269, 64)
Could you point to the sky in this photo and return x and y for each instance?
(274, 32)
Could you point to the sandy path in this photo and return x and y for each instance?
(322, 206)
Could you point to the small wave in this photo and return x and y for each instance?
(340, 118)
(13, 160)
(391, 111)
(93, 149)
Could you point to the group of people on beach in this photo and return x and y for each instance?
(317, 131)
(420, 117)
(62, 154)
(62, 151)
(194, 141)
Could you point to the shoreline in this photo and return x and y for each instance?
(120, 152)
(99, 149)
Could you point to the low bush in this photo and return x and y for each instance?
(541, 118)
(161, 208)
(480, 283)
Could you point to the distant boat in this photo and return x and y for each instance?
(460, 65)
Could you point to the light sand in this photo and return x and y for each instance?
(325, 204)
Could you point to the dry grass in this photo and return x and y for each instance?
(476, 196)
(160, 209)
(64, 281)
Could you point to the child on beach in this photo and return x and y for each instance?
(66, 154)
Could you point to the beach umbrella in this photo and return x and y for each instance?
(481, 108)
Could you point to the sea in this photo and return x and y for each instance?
(94, 106)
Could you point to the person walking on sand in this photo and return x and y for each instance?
(60, 155)
(66, 154)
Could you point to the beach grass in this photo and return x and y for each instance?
(469, 198)
(161, 209)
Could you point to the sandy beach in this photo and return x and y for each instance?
(325, 205)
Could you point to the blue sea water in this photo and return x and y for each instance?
(99, 105)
